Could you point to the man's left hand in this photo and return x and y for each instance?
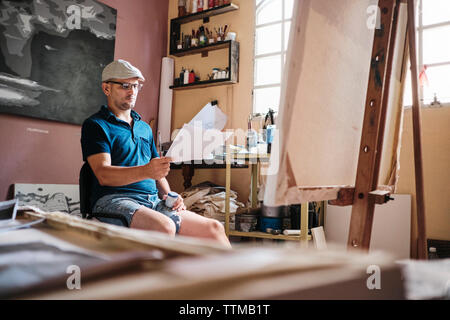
(179, 204)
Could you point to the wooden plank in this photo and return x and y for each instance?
(265, 235)
(344, 198)
(304, 223)
(206, 13)
(417, 130)
(202, 49)
(203, 84)
(391, 141)
(367, 176)
(379, 196)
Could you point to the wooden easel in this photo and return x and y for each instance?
(300, 179)
(366, 192)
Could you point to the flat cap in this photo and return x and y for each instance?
(121, 69)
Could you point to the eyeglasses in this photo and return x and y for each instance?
(127, 86)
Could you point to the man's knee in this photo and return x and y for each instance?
(216, 228)
(168, 226)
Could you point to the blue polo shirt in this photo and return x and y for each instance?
(128, 146)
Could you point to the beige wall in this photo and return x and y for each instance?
(436, 167)
(234, 100)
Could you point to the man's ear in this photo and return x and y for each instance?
(106, 88)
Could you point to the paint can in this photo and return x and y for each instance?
(246, 222)
(171, 199)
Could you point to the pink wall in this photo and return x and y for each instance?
(39, 151)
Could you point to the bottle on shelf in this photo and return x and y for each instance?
(200, 6)
(188, 6)
(191, 76)
(194, 6)
(202, 36)
(186, 77)
(252, 137)
(210, 4)
(182, 76)
(181, 8)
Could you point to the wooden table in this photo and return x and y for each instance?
(188, 169)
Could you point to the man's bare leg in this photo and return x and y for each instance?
(148, 219)
(195, 225)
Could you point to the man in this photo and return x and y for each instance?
(120, 149)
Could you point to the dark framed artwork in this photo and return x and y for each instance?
(52, 53)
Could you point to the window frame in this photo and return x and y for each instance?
(420, 30)
(281, 53)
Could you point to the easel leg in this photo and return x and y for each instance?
(416, 115)
(373, 126)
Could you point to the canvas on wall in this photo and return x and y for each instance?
(52, 53)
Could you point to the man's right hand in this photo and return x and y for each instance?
(158, 168)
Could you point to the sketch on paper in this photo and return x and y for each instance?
(49, 197)
(52, 53)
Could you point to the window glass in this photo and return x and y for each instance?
(270, 12)
(268, 70)
(435, 11)
(271, 42)
(266, 98)
(288, 8)
(436, 45)
(268, 39)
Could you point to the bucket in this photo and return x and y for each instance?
(272, 223)
(246, 222)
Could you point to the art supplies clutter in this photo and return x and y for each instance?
(208, 200)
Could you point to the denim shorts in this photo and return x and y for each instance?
(127, 204)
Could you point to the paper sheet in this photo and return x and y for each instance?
(210, 117)
(196, 143)
(201, 136)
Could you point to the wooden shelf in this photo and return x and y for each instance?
(232, 46)
(206, 13)
(264, 235)
(204, 84)
(202, 49)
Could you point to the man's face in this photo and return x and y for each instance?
(119, 97)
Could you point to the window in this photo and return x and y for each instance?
(433, 51)
(273, 23)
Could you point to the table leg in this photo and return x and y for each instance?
(304, 224)
(227, 191)
(188, 173)
(254, 185)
